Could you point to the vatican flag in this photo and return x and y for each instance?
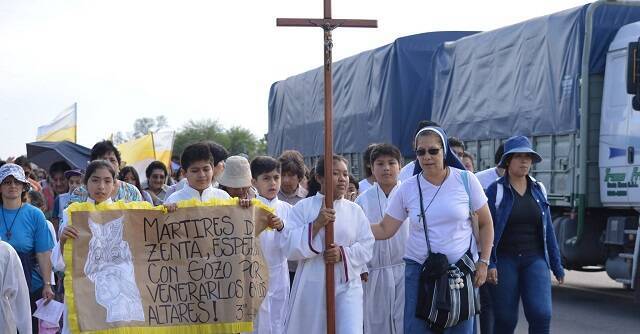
(63, 127)
(163, 144)
(139, 153)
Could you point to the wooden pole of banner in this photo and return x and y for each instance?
(328, 24)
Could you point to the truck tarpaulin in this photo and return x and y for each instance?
(522, 79)
(379, 96)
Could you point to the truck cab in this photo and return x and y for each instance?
(619, 161)
(619, 158)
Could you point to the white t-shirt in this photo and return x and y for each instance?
(448, 220)
(188, 193)
(407, 171)
(363, 185)
(487, 176)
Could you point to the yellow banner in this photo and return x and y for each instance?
(136, 269)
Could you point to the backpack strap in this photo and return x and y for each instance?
(499, 194)
(474, 226)
(544, 190)
(465, 181)
(541, 185)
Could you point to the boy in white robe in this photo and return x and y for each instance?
(351, 251)
(384, 287)
(265, 173)
(197, 163)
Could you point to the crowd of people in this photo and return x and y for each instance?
(413, 248)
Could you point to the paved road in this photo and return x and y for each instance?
(591, 303)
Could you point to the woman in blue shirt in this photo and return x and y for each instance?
(526, 247)
(24, 227)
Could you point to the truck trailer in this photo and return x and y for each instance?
(561, 81)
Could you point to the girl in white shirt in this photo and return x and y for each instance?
(100, 181)
(352, 249)
(446, 204)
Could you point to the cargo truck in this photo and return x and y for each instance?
(561, 81)
(558, 79)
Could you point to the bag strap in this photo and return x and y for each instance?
(499, 194)
(422, 215)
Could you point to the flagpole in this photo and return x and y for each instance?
(75, 115)
(153, 144)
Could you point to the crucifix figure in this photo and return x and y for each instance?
(328, 24)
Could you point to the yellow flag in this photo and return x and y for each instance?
(163, 143)
(138, 153)
(63, 127)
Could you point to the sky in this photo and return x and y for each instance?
(191, 60)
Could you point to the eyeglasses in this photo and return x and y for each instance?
(431, 151)
(7, 182)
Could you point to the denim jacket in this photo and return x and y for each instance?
(501, 215)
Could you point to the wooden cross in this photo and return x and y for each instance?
(328, 24)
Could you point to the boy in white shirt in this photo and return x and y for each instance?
(488, 176)
(266, 178)
(384, 287)
(197, 164)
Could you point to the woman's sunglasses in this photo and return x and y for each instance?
(431, 151)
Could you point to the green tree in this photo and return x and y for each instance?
(236, 139)
(161, 123)
(195, 131)
(241, 140)
(145, 125)
(119, 137)
(261, 148)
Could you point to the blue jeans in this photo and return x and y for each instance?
(526, 277)
(413, 325)
(486, 310)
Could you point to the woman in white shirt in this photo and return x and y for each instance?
(446, 211)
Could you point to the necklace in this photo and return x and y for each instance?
(4, 220)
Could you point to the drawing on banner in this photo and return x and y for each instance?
(110, 267)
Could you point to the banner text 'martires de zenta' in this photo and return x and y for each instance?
(197, 269)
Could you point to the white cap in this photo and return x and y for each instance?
(237, 172)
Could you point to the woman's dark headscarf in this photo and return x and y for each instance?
(450, 159)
